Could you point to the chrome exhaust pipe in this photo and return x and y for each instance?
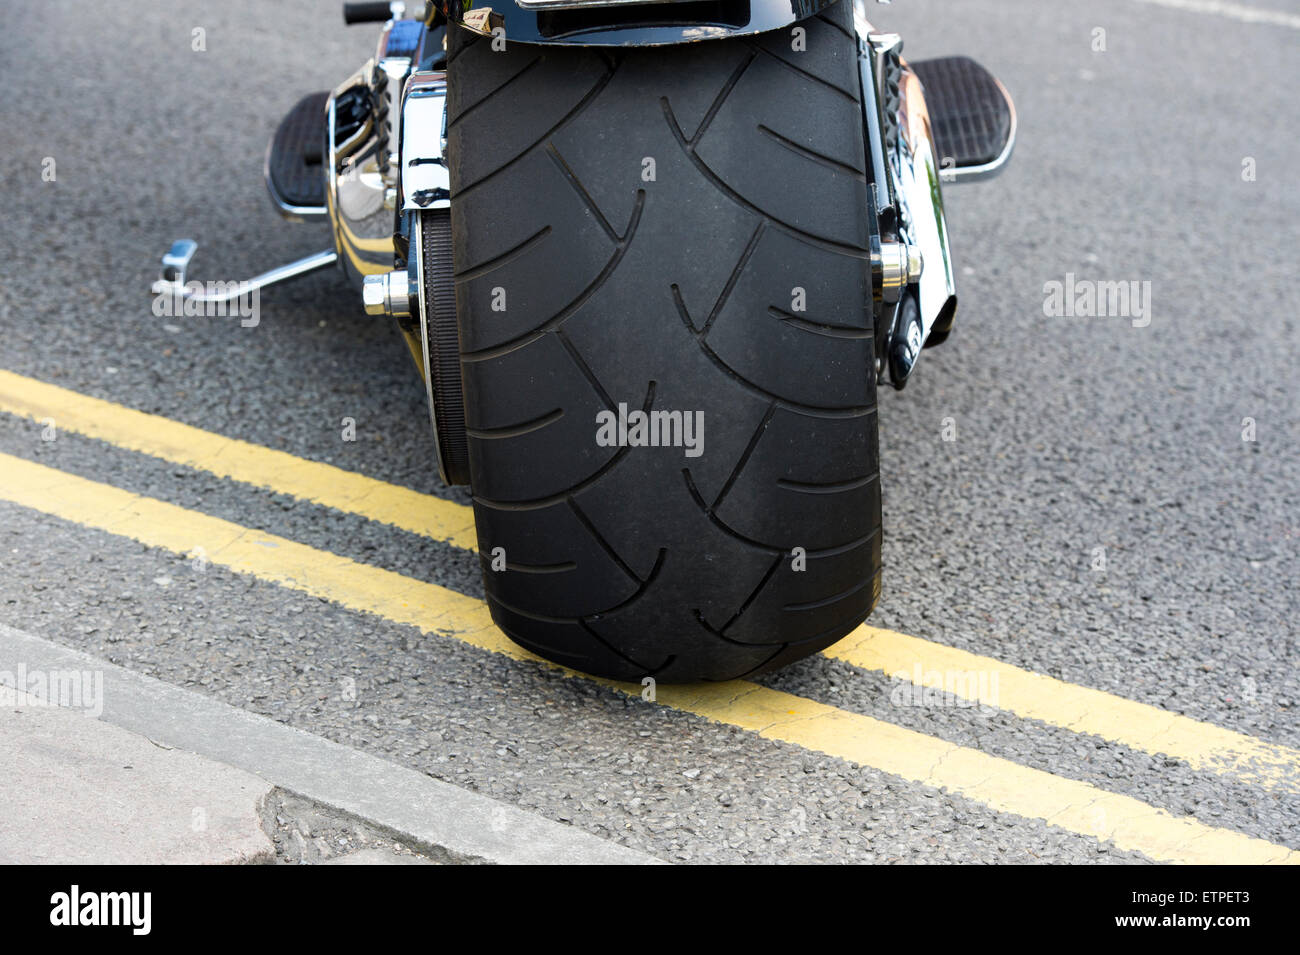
(922, 223)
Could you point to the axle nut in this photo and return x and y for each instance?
(387, 294)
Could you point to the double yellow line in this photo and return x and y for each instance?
(995, 782)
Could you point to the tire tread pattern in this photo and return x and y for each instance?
(668, 292)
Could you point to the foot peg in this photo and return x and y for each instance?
(972, 118)
(176, 262)
(295, 160)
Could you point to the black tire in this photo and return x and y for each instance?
(672, 294)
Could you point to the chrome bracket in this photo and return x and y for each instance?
(914, 257)
(426, 181)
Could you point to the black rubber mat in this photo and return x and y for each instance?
(969, 116)
(296, 166)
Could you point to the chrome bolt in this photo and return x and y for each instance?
(899, 264)
(387, 294)
(915, 263)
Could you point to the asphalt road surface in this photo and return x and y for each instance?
(1102, 501)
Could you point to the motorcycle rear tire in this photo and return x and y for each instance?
(675, 229)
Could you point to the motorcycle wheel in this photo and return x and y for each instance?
(672, 230)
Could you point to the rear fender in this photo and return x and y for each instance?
(624, 22)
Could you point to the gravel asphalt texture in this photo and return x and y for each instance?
(1072, 434)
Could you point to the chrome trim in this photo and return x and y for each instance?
(286, 209)
(175, 263)
(920, 197)
(355, 187)
(426, 181)
(394, 70)
(993, 168)
(387, 294)
(914, 186)
(399, 163)
(894, 267)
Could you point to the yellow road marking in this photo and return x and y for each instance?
(1030, 695)
(1202, 746)
(178, 443)
(998, 783)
